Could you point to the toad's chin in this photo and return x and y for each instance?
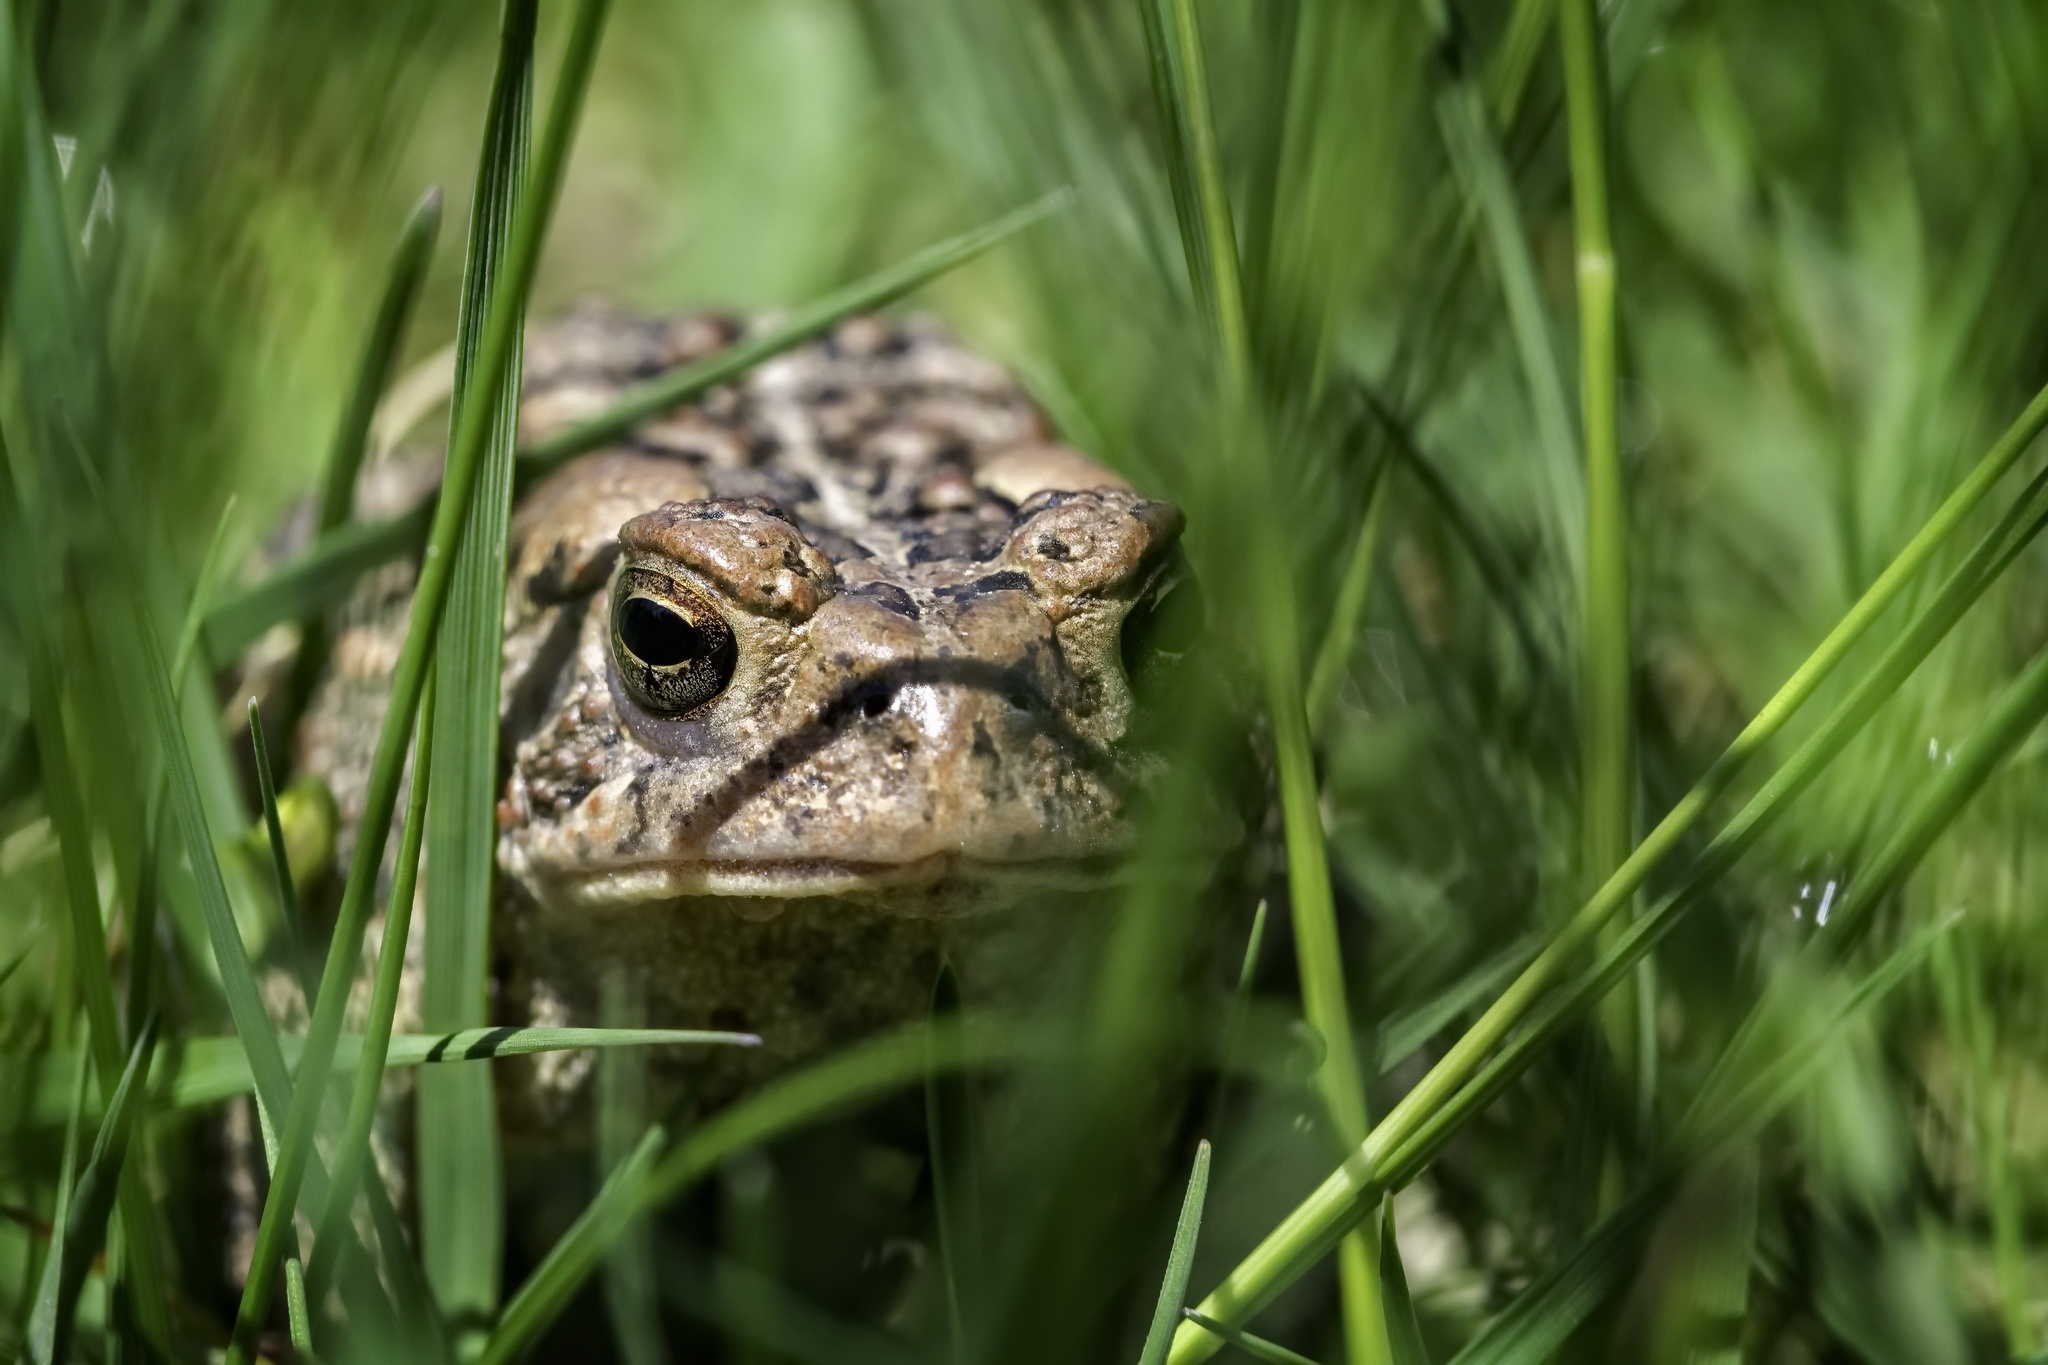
(935, 885)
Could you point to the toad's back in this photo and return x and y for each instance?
(790, 676)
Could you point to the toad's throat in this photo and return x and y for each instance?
(940, 880)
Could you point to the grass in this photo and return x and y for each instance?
(1761, 588)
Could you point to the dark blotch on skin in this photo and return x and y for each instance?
(1052, 547)
(1009, 580)
(889, 597)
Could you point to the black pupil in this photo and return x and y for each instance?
(657, 636)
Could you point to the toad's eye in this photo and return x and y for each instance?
(673, 650)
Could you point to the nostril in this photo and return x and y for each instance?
(876, 699)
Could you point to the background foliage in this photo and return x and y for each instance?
(1825, 222)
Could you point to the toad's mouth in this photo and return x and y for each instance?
(940, 883)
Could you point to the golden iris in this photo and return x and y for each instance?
(674, 652)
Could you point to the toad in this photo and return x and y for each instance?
(798, 679)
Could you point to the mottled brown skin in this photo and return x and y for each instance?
(927, 713)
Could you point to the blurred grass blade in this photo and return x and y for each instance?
(1308, 1232)
(381, 347)
(461, 1219)
(1482, 169)
(1354, 588)
(1756, 1077)
(500, 337)
(569, 1262)
(694, 380)
(1240, 1005)
(84, 935)
(956, 1194)
(1542, 1316)
(1180, 87)
(21, 954)
(91, 1202)
(201, 601)
(1258, 1348)
(1180, 1262)
(653, 1177)
(1507, 75)
(408, 270)
(1607, 776)
(2018, 711)
(755, 1311)
(43, 1332)
(1993, 553)
(321, 578)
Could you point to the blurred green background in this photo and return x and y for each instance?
(1828, 225)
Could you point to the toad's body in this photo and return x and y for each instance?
(790, 677)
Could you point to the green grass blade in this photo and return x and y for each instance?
(402, 281)
(1402, 1033)
(956, 1193)
(1180, 1262)
(1993, 553)
(201, 601)
(1507, 75)
(631, 1292)
(1258, 1348)
(321, 578)
(192, 1073)
(408, 270)
(1607, 769)
(1404, 1333)
(1306, 1234)
(755, 1311)
(1546, 1313)
(501, 335)
(874, 291)
(91, 1203)
(1542, 1316)
(21, 954)
(653, 1177)
(1240, 1005)
(238, 981)
(2015, 715)
(1758, 1077)
(43, 1331)
(1482, 170)
(1607, 777)
(456, 1148)
(1354, 588)
(82, 925)
(570, 1261)
(1180, 87)
(352, 1157)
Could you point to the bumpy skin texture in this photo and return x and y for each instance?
(927, 713)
